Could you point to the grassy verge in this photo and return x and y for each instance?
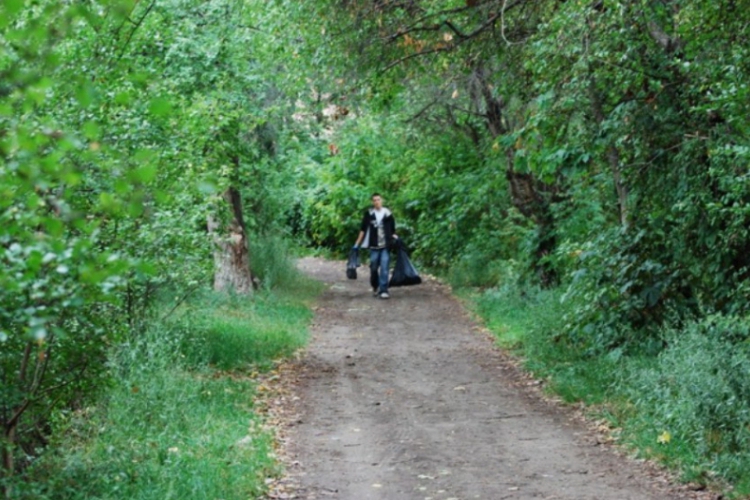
(178, 421)
(688, 406)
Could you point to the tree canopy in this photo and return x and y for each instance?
(598, 147)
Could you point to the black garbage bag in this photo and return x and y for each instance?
(404, 274)
(352, 264)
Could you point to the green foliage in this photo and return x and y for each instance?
(165, 431)
(118, 135)
(231, 333)
(172, 422)
(697, 391)
(619, 296)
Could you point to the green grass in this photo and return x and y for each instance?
(235, 332)
(527, 322)
(178, 421)
(688, 406)
(165, 432)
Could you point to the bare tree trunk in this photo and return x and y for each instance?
(231, 254)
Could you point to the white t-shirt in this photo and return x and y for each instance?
(379, 214)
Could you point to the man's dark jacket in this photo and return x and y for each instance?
(369, 227)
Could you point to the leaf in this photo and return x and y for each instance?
(144, 174)
(160, 107)
(91, 130)
(12, 7)
(664, 438)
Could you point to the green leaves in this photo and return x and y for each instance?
(160, 107)
(114, 135)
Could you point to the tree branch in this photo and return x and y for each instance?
(462, 39)
(424, 110)
(414, 26)
(401, 60)
(135, 28)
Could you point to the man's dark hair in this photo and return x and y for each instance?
(374, 195)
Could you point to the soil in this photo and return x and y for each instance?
(407, 399)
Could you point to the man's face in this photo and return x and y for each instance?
(377, 202)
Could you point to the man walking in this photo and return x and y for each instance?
(378, 231)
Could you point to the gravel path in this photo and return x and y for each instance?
(405, 399)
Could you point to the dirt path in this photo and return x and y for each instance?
(403, 399)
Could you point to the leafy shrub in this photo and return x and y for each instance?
(623, 291)
(698, 395)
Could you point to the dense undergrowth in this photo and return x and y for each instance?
(177, 418)
(687, 406)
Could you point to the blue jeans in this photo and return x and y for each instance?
(379, 258)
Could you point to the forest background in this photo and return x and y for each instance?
(577, 170)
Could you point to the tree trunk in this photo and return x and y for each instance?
(613, 155)
(231, 253)
(529, 195)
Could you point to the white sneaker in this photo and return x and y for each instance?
(385, 295)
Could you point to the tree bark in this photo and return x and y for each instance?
(613, 155)
(528, 194)
(231, 252)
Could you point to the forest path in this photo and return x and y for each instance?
(404, 399)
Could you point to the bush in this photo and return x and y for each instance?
(693, 406)
(623, 293)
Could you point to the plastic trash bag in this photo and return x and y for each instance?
(352, 264)
(404, 274)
